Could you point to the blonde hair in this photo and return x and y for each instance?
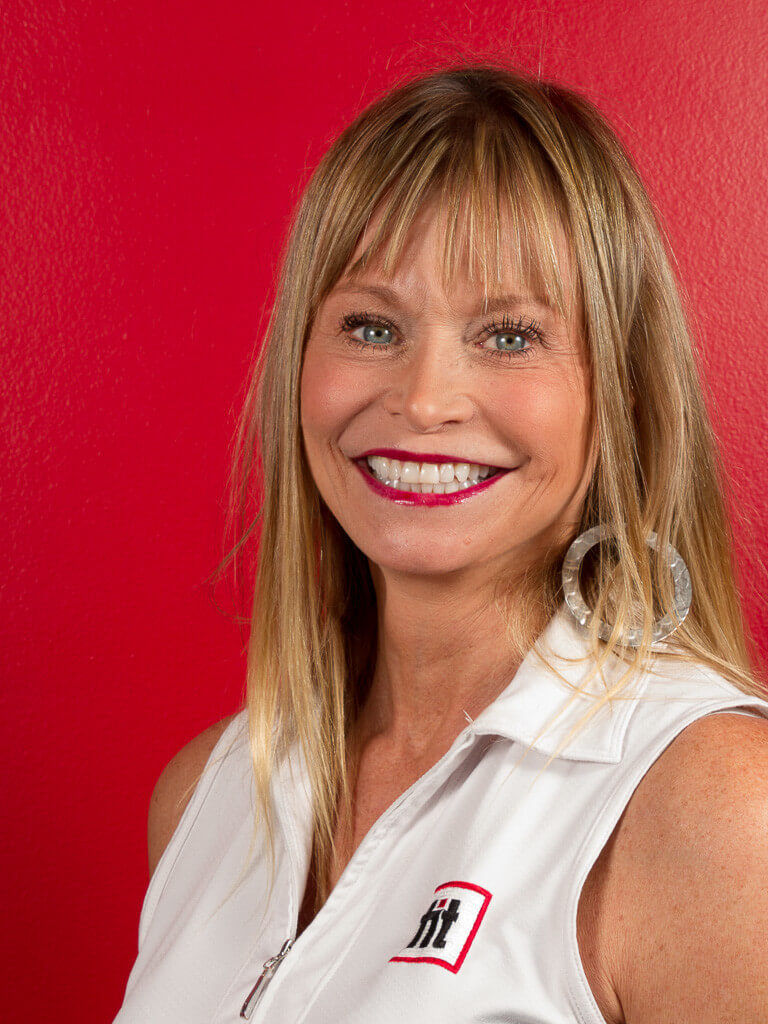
(474, 136)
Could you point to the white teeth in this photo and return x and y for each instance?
(410, 473)
(427, 477)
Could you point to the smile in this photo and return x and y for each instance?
(426, 483)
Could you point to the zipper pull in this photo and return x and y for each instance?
(269, 968)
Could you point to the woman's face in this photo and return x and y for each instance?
(438, 379)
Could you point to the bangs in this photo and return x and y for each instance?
(503, 213)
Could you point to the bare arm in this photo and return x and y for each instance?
(698, 931)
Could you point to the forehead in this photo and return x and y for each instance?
(473, 263)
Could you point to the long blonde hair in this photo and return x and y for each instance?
(474, 135)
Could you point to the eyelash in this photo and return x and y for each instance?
(530, 329)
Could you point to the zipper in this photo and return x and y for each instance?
(269, 967)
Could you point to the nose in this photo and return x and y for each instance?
(430, 388)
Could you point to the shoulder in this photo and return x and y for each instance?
(690, 862)
(175, 787)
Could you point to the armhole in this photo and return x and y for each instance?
(182, 831)
(582, 999)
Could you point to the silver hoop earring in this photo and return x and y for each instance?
(664, 626)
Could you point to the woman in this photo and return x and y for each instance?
(479, 774)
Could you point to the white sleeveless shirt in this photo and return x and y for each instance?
(459, 904)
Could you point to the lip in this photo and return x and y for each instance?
(409, 498)
(405, 456)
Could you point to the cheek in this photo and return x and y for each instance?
(331, 393)
(545, 421)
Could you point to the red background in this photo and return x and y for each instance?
(151, 154)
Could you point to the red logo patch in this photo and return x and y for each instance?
(448, 927)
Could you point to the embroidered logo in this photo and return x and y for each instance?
(447, 929)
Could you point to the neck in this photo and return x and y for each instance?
(443, 654)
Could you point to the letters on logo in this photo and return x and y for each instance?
(448, 927)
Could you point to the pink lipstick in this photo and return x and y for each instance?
(410, 498)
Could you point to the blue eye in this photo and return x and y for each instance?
(372, 333)
(378, 332)
(507, 334)
(374, 326)
(520, 329)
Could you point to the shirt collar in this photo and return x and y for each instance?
(536, 694)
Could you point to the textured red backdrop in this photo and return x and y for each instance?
(151, 153)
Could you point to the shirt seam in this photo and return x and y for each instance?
(176, 844)
(581, 996)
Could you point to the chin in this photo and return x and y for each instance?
(419, 557)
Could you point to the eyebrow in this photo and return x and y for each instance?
(495, 303)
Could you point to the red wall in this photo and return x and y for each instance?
(151, 153)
